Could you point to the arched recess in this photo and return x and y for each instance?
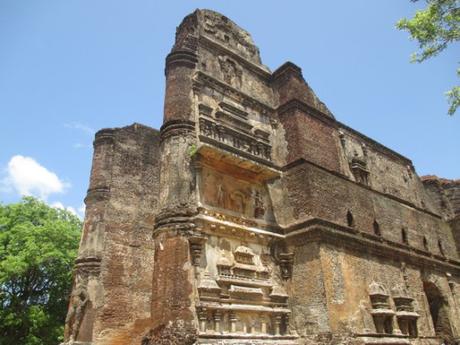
(439, 311)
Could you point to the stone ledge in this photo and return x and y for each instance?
(316, 229)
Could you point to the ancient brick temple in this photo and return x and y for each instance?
(253, 216)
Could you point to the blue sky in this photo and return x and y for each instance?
(69, 68)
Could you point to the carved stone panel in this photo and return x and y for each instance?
(241, 292)
(237, 196)
(238, 140)
(221, 29)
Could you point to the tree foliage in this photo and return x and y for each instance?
(38, 246)
(435, 28)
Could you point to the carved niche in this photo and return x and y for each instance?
(381, 310)
(232, 73)
(229, 125)
(405, 314)
(240, 197)
(241, 296)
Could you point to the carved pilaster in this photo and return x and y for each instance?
(263, 325)
(233, 320)
(196, 248)
(286, 262)
(202, 317)
(217, 316)
(277, 322)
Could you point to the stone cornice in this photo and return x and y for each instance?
(184, 58)
(202, 79)
(176, 127)
(302, 161)
(316, 229)
(104, 136)
(97, 194)
(238, 152)
(208, 42)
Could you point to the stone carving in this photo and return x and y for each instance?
(249, 300)
(238, 200)
(230, 137)
(259, 208)
(240, 197)
(196, 248)
(221, 196)
(381, 311)
(358, 166)
(223, 29)
(78, 303)
(185, 218)
(231, 71)
(204, 83)
(286, 262)
(406, 317)
(233, 122)
(233, 110)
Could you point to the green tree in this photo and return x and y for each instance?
(38, 246)
(435, 28)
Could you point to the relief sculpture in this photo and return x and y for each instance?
(78, 303)
(240, 197)
(243, 276)
(220, 27)
(231, 71)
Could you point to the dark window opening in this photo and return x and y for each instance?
(377, 228)
(350, 220)
(404, 237)
(425, 243)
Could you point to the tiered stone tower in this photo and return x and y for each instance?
(255, 217)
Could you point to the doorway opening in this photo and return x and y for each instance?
(439, 311)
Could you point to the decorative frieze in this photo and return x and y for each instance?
(243, 298)
(231, 109)
(236, 139)
(234, 122)
(204, 81)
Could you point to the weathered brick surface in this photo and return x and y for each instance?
(255, 217)
(312, 139)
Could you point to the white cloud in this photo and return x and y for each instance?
(59, 205)
(27, 177)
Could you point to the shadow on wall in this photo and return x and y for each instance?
(439, 312)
